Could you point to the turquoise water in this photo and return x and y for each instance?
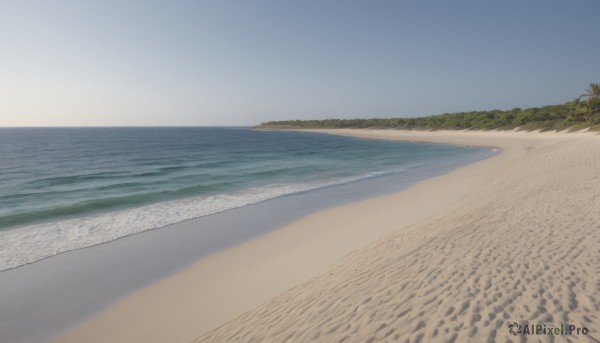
(68, 188)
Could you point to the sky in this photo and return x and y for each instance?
(179, 63)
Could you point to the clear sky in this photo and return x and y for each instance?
(72, 63)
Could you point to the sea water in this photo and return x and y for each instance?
(68, 188)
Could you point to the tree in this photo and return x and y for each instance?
(585, 108)
(593, 91)
(591, 114)
(574, 112)
(593, 96)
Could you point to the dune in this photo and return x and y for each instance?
(456, 258)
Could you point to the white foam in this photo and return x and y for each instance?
(32, 243)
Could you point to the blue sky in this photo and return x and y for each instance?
(72, 63)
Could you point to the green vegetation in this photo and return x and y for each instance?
(582, 112)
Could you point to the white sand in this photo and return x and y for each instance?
(455, 258)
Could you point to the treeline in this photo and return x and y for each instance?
(584, 111)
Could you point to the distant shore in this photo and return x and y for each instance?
(441, 257)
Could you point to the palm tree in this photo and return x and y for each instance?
(593, 91)
(573, 109)
(591, 113)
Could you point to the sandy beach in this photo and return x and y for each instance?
(455, 258)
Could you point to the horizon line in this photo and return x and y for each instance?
(117, 126)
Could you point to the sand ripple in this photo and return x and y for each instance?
(524, 247)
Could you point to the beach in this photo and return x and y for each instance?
(457, 257)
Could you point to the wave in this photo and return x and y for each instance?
(32, 243)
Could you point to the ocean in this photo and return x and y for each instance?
(69, 188)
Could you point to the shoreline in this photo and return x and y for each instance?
(247, 275)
